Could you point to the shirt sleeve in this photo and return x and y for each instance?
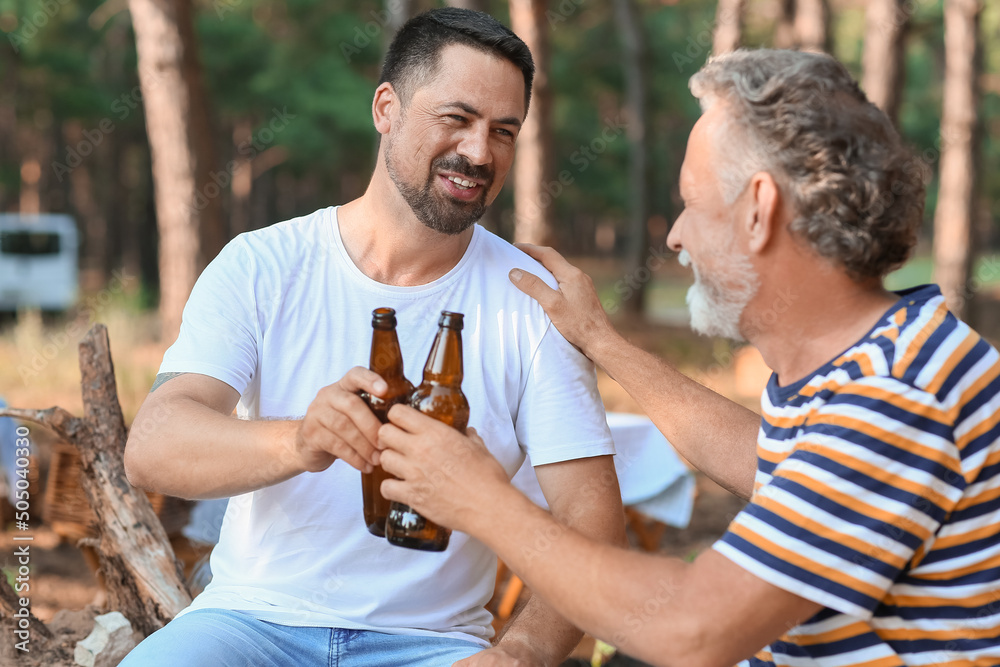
(870, 477)
(561, 416)
(219, 330)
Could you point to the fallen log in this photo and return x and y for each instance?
(11, 608)
(143, 579)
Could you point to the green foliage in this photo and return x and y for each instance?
(304, 58)
(591, 145)
(318, 62)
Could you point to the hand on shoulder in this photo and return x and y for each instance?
(574, 308)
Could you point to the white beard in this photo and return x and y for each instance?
(717, 304)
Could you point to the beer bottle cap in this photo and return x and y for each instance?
(451, 320)
(384, 318)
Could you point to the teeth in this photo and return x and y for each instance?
(461, 181)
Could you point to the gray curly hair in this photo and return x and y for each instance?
(857, 190)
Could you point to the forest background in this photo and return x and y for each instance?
(257, 111)
(271, 116)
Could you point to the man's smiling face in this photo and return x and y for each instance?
(450, 149)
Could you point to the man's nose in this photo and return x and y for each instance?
(674, 237)
(475, 146)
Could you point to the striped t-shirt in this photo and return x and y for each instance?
(878, 496)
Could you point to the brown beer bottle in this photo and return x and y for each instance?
(439, 396)
(387, 361)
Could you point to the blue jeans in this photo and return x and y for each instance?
(223, 638)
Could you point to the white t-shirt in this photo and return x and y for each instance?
(283, 312)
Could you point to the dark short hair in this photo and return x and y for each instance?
(857, 189)
(415, 51)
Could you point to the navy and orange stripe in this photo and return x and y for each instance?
(878, 489)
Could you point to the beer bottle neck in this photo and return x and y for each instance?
(444, 363)
(386, 358)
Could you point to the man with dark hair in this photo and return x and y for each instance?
(871, 533)
(285, 311)
(415, 52)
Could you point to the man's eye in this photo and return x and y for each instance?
(506, 133)
(460, 119)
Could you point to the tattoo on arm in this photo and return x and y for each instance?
(161, 378)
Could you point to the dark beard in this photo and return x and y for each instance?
(447, 216)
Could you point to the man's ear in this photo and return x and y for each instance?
(764, 211)
(385, 102)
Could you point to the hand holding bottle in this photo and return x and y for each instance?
(339, 425)
(441, 473)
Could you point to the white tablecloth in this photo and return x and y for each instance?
(653, 478)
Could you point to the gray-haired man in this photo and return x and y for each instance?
(871, 536)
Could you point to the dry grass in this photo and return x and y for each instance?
(39, 366)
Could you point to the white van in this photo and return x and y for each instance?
(38, 265)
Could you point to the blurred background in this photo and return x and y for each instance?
(138, 136)
(160, 129)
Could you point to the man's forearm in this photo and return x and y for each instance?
(539, 633)
(182, 448)
(667, 612)
(599, 588)
(585, 497)
(715, 434)
(539, 629)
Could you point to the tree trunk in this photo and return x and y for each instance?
(474, 5)
(187, 202)
(120, 227)
(533, 159)
(135, 552)
(117, 193)
(9, 81)
(784, 31)
(31, 151)
(239, 203)
(728, 26)
(212, 227)
(959, 120)
(90, 218)
(636, 110)
(884, 56)
(812, 25)
(246, 170)
(142, 576)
